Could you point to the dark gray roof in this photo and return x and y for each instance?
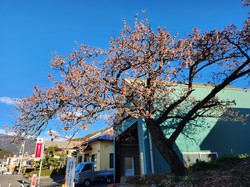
(61, 144)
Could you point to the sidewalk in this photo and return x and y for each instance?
(55, 181)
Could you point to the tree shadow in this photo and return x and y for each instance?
(58, 175)
(23, 182)
(229, 137)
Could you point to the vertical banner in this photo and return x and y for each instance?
(70, 172)
(39, 149)
(33, 180)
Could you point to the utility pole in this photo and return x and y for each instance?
(20, 167)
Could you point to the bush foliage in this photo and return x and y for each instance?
(225, 159)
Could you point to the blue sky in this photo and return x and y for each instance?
(31, 30)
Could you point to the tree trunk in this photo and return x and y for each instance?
(165, 147)
(175, 163)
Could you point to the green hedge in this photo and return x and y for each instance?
(47, 172)
(43, 173)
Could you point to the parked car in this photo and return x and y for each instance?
(7, 173)
(3, 170)
(85, 175)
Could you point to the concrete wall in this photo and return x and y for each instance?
(107, 147)
(209, 135)
(217, 135)
(206, 135)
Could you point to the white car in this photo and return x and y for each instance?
(3, 170)
(7, 173)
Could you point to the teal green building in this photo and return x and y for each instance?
(135, 153)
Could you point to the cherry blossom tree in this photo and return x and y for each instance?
(139, 76)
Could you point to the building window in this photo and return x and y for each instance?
(86, 157)
(94, 158)
(111, 160)
(79, 159)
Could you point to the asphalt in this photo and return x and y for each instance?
(14, 181)
(10, 180)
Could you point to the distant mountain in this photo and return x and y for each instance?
(7, 144)
(5, 154)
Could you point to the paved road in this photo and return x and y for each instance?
(5, 180)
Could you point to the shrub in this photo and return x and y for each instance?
(60, 171)
(202, 165)
(223, 160)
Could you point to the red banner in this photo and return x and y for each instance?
(39, 148)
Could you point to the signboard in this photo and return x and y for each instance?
(33, 180)
(39, 149)
(70, 172)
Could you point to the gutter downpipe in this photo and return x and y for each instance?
(114, 157)
(151, 154)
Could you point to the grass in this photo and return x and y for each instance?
(47, 172)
